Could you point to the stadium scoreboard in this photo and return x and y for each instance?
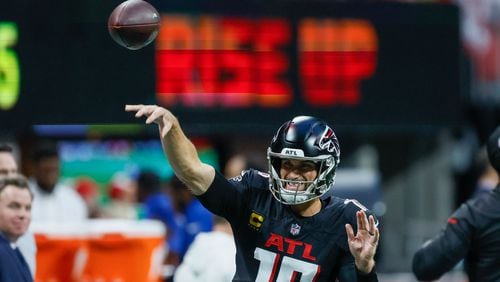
(224, 66)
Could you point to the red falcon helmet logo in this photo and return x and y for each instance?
(328, 140)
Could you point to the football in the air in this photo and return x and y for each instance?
(134, 24)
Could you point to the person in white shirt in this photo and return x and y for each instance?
(26, 242)
(211, 256)
(53, 200)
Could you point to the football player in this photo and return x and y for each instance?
(285, 227)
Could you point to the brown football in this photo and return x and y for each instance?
(134, 24)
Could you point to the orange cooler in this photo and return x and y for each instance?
(100, 250)
(125, 251)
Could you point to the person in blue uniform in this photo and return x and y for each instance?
(285, 227)
(191, 217)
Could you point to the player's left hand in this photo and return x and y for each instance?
(363, 245)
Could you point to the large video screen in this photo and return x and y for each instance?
(223, 66)
(380, 65)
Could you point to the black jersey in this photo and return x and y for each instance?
(275, 244)
(472, 233)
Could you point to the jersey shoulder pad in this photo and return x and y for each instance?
(251, 178)
(354, 205)
(351, 206)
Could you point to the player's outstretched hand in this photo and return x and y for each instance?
(161, 116)
(363, 245)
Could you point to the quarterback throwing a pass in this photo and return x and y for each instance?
(285, 227)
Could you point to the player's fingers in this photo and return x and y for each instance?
(145, 111)
(371, 225)
(373, 230)
(366, 222)
(360, 215)
(155, 115)
(139, 113)
(133, 108)
(376, 236)
(349, 231)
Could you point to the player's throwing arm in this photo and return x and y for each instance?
(180, 151)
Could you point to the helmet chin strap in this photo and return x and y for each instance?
(295, 199)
